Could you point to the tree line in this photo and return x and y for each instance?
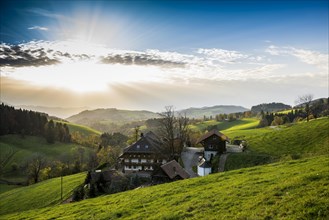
(24, 122)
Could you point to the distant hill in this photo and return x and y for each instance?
(110, 115)
(270, 107)
(212, 111)
(60, 112)
(313, 102)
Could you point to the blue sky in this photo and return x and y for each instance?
(187, 47)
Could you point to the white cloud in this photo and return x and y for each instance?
(38, 28)
(315, 58)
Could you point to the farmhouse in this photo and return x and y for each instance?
(144, 156)
(214, 142)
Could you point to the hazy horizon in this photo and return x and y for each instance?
(145, 55)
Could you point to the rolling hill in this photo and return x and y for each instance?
(288, 190)
(293, 141)
(212, 111)
(17, 150)
(39, 195)
(111, 115)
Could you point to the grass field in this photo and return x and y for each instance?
(19, 150)
(39, 195)
(294, 141)
(296, 189)
(240, 124)
(83, 130)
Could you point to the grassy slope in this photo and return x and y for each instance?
(291, 190)
(271, 144)
(24, 148)
(83, 130)
(39, 195)
(242, 124)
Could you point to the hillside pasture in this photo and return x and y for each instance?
(39, 195)
(239, 124)
(293, 141)
(24, 148)
(83, 130)
(291, 190)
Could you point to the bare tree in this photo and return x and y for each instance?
(183, 130)
(168, 127)
(305, 100)
(36, 163)
(174, 128)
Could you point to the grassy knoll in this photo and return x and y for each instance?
(39, 195)
(288, 190)
(240, 124)
(83, 130)
(21, 149)
(297, 140)
(266, 145)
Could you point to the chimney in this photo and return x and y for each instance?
(142, 134)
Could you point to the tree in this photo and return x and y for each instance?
(35, 164)
(168, 126)
(50, 132)
(136, 130)
(305, 100)
(174, 131)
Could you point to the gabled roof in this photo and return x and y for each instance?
(213, 132)
(149, 143)
(173, 169)
(205, 164)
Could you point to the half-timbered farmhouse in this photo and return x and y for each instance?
(143, 156)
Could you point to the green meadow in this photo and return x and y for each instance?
(270, 144)
(297, 189)
(83, 130)
(39, 195)
(17, 150)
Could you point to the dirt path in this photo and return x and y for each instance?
(190, 157)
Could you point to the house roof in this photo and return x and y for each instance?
(211, 133)
(149, 143)
(173, 169)
(205, 164)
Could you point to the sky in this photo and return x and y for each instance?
(151, 54)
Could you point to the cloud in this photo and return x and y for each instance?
(45, 13)
(227, 56)
(18, 56)
(140, 59)
(315, 58)
(38, 28)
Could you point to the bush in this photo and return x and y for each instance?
(14, 167)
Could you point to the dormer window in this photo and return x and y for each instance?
(138, 146)
(146, 146)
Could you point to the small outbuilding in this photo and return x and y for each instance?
(214, 142)
(204, 168)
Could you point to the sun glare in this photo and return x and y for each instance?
(85, 76)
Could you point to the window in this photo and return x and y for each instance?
(146, 146)
(138, 146)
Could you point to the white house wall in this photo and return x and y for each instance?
(204, 171)
(207, 154)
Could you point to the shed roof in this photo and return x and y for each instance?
(205, 164)
(173, 169)
(213, 132)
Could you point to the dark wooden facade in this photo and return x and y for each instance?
(213, 142)
(144, 155)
